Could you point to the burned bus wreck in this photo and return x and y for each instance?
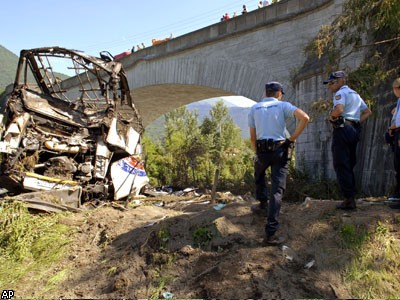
(74, 133)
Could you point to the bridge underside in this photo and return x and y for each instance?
(156, 100)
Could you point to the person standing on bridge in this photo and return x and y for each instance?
(267, 122)
(349, 110)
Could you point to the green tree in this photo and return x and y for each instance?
(223, 138)
(183, 144)
(155, 163)
(190, 154)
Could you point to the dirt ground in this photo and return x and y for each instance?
(184, 247)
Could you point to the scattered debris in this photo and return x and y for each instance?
(219, 206)
(167, 190)
(309, 264)
(155, 222)
(288, 253)
(53, 200)
(167, 295)
(307, 202)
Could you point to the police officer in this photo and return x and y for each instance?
(267, 122)
(394, 133)
(349, 110)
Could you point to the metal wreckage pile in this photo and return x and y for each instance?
(65, 140)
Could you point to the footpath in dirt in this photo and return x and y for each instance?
(188, 247)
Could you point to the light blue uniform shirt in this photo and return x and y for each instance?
(396, 115)
(352, 102)
(269, 117)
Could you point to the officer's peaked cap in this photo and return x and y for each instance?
(274, 86)
(335, 75)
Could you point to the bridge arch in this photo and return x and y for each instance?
(235, 57)
(178, 82)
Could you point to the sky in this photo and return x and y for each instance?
(238, 101)
(93, 26)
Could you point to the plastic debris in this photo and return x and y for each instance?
(179, 193)
(219, 206)
(309, 264)
(155, 222)
(167, 295)
(288, 253)
(136, 202)
(307, 202)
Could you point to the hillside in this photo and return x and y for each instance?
(8, 63)
(183, 247)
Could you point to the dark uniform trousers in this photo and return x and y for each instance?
(344, 148)
(396, 156)
(278, 161)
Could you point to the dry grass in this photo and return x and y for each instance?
(30, 243)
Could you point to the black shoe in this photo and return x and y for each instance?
(395, 197)
(347, 204)
(273, 240)
(259, 209)
(394, 201)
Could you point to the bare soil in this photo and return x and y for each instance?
(155, 250)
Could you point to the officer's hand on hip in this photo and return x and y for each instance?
(288, 143)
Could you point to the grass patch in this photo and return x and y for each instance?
(161, 262)
(55, 279)
(202, 236)
(352, 237)
(163, 238)
(29, 245)
(373, 273)
(112, 271)
(159, 288)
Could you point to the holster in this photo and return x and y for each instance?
(339, 122)
(269, 145)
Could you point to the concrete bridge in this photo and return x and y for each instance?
(234, 57)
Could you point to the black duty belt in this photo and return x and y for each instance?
(268, 145)
(352, 123)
